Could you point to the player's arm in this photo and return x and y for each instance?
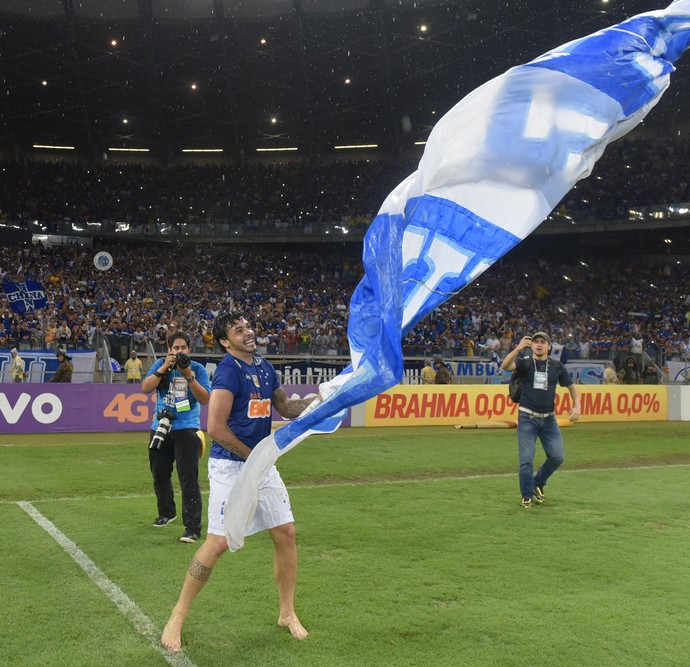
(290, 407)
(219, 408)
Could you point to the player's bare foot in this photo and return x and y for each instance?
(297, 630)
(172, 634)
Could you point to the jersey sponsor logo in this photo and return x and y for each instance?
(259, 408)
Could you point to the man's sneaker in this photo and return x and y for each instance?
(189, 536)
(163, 521)
(526, 503)
(539, 494)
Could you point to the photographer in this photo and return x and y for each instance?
(181, 387)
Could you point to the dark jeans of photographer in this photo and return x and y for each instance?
(181, 447)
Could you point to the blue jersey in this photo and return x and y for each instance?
(252, 386)
(165, 399)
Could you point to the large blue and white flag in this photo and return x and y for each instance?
(493, 169)
(25, 297)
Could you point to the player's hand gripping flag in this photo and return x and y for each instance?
(494, 167)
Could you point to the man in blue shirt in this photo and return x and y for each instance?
(182, 386)
(245, 389)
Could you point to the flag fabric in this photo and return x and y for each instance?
(493, 168)
(25, 297)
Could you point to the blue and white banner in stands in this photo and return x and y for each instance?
(41, 365)
(25, 297)
(678, 371)
(494, 167)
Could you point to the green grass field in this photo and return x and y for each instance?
(413, 551)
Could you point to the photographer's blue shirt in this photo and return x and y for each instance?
(252, 386)
(165, 400)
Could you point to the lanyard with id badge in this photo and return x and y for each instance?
(541, 378)
(179, 387)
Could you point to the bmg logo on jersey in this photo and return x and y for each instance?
(259, 408)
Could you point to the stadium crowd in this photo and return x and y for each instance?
(298, 301)
(633, 173)
(294, 194)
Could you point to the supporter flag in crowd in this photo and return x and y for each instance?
(494, 167)
(25, 297)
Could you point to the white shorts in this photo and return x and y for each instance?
(272, 510)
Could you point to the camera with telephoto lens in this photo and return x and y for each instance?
(182, 360)
(165, 418)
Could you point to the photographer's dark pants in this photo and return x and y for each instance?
(181, 447)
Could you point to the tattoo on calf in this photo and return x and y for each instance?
(199, 571)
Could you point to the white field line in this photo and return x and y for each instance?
(374, 482)
(127, 607)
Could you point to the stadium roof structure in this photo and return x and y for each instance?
(248, 75)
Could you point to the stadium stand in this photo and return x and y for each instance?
(68, 197)
(298, 299)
